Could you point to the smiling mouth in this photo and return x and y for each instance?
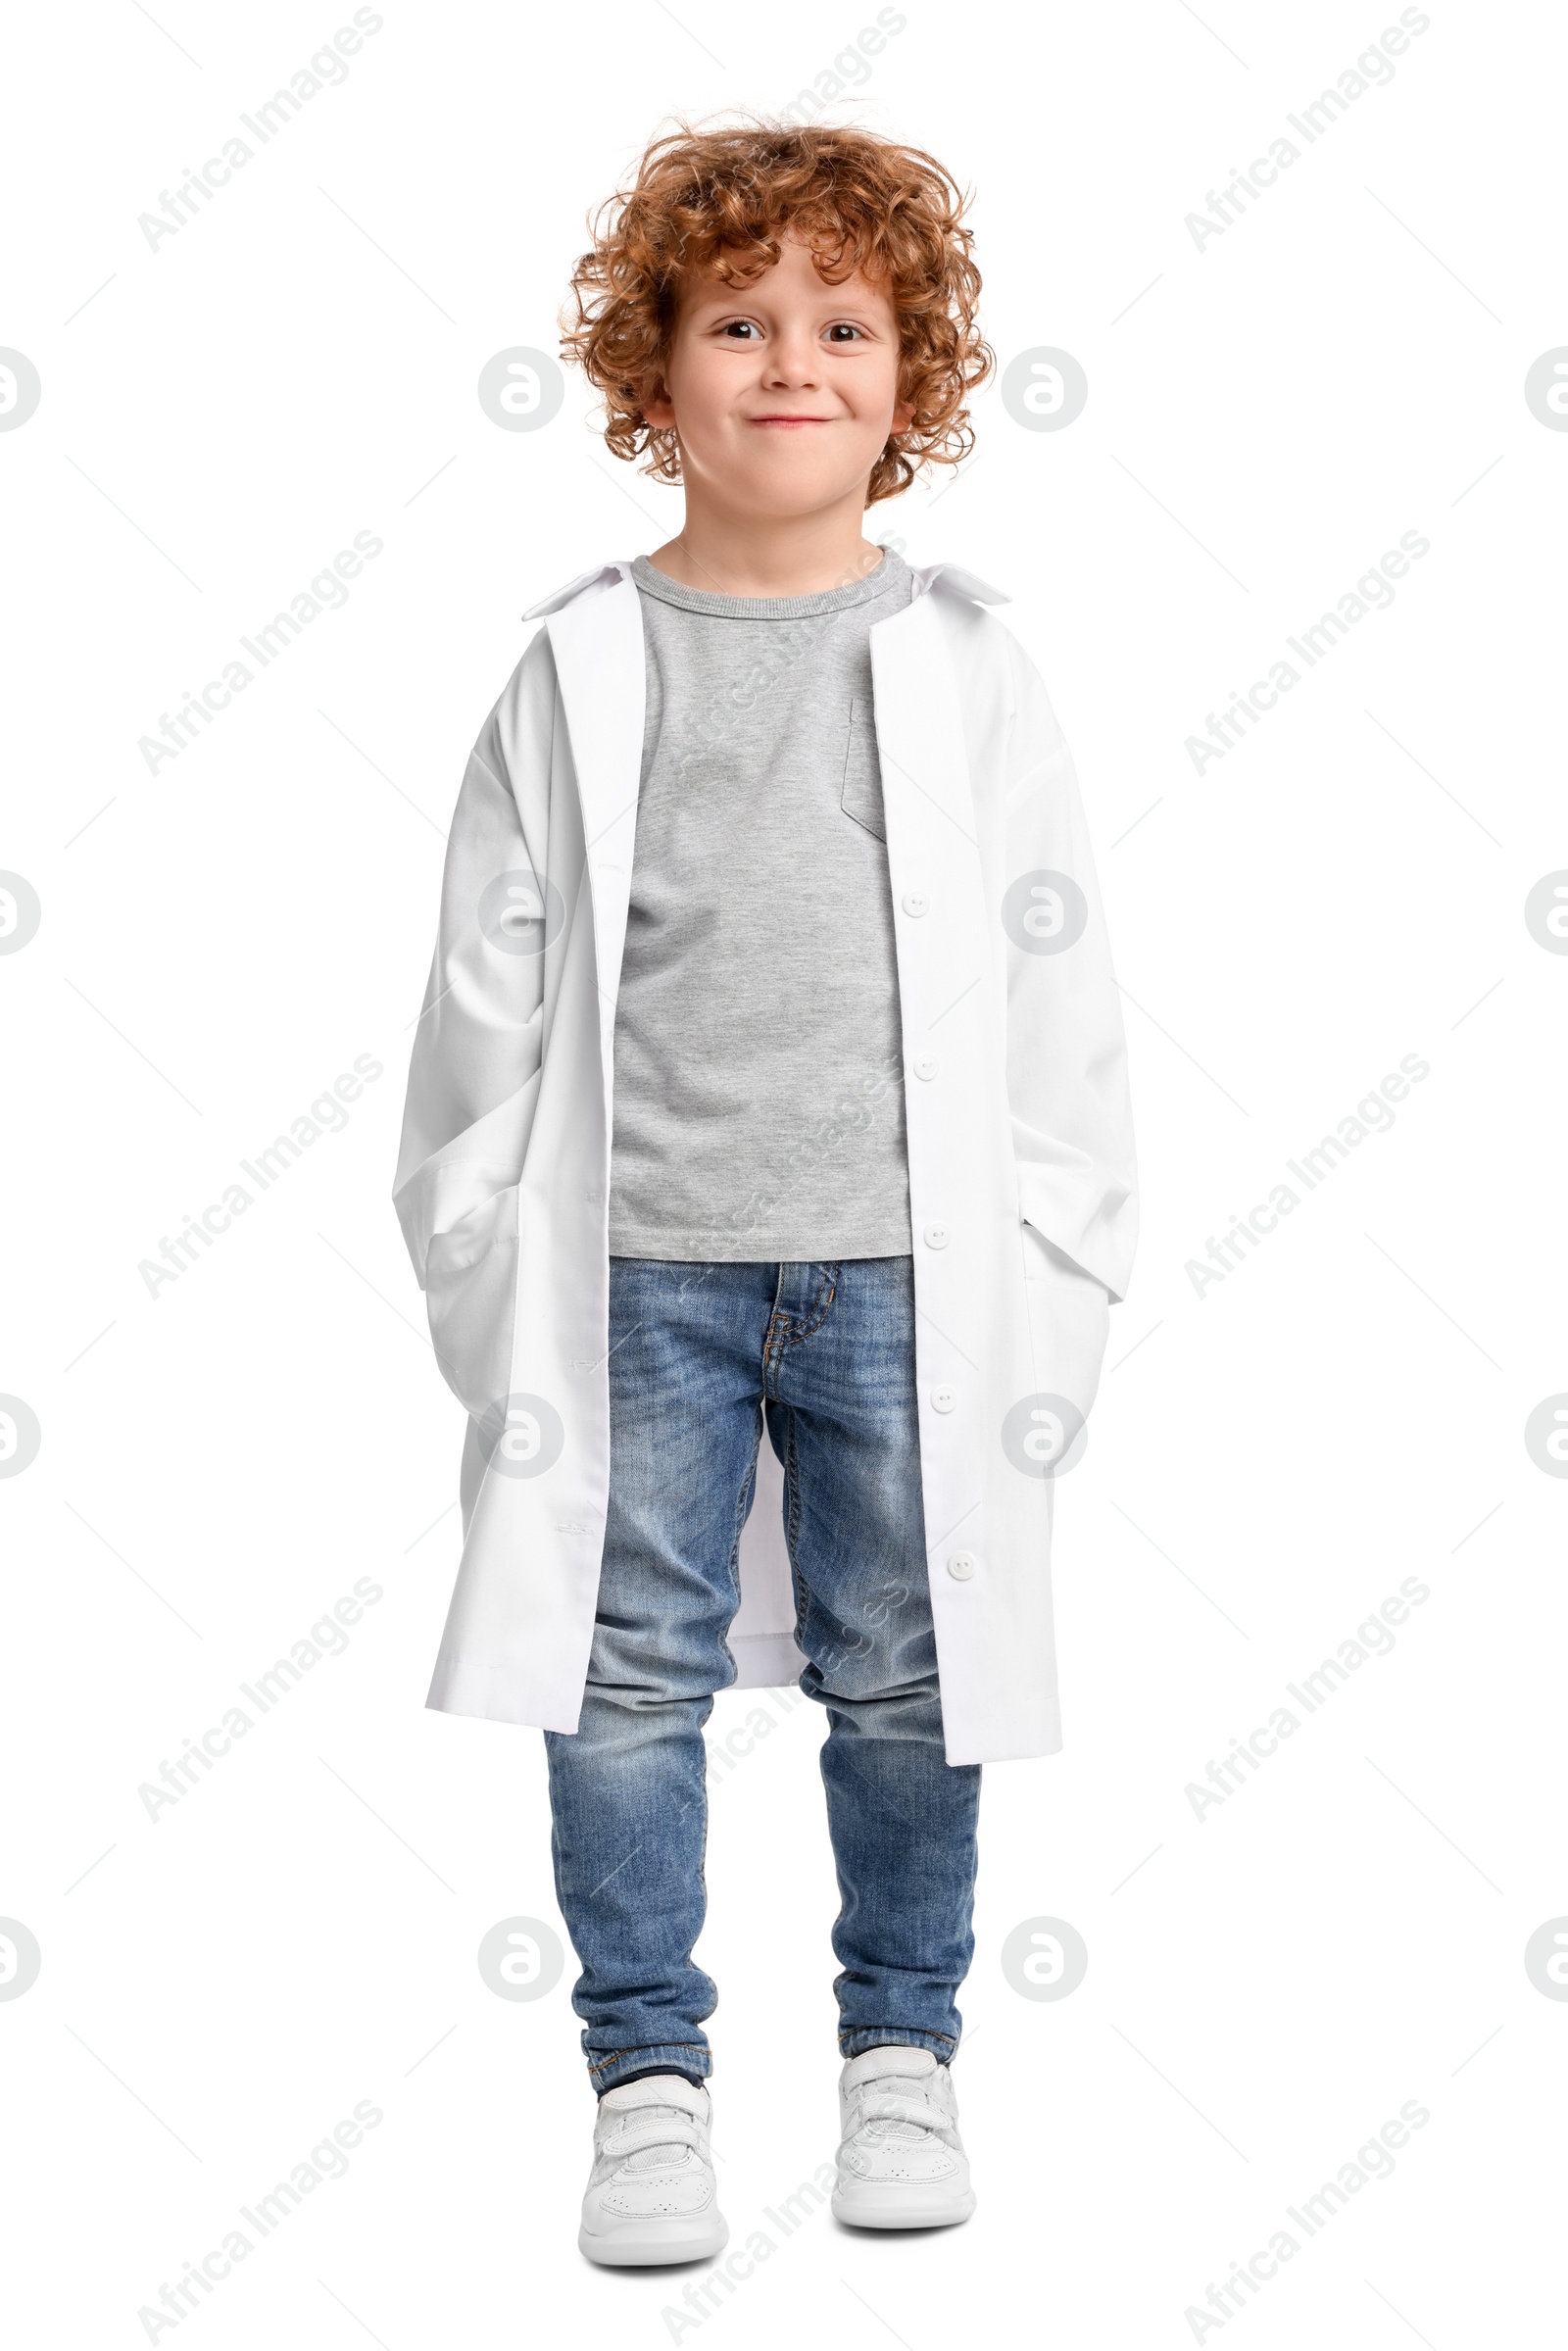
(789, 420)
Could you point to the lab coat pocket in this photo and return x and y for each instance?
(471, 1294)
(860, 792)
(1070, 1322)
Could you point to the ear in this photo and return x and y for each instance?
(657, 406)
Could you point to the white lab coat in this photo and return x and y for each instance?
(1019, 1145)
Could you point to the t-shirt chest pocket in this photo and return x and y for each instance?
(860, 792)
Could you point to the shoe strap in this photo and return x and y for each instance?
(874, 2104)
(654, 2126)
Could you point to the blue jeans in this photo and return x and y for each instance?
(699, 1354)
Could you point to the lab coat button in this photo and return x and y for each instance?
(942, 1399)
(963, 1565)
(936, 1236)
(925, 1065)
(916, 903)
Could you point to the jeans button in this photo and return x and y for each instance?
(963, 1565)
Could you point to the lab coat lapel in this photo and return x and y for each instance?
(934, 867)
(597, 640)
(920, 728)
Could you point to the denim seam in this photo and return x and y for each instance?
(743, 1508)
(819, 1306)
(927, 2032)
(789, 1329)
(792, 1527)
(619, 2056)
(773, 1345)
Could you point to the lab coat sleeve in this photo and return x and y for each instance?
(473, 1077)
(1066, 1048)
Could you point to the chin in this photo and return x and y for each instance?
(793, 489)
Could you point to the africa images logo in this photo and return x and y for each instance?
(521, 1436)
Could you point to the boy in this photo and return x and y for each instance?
(772, 1073)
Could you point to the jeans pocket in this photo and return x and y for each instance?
(860, 791)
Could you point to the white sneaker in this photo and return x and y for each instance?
(651, 2195)
(902, 2163)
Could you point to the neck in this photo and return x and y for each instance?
(736, 554)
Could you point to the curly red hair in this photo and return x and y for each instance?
(718, 201)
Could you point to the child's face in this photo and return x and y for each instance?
(783, 392)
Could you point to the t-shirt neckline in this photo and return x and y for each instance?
(653, 582)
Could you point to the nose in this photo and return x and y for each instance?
(791, 360)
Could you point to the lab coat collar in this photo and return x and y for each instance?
(620, 568)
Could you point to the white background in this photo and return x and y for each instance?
(1266, 1984)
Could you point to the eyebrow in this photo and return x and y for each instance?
(867, 301)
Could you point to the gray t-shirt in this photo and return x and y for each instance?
(759, 1086)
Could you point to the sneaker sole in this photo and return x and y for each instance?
(896, 2208)
(637, 2248)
